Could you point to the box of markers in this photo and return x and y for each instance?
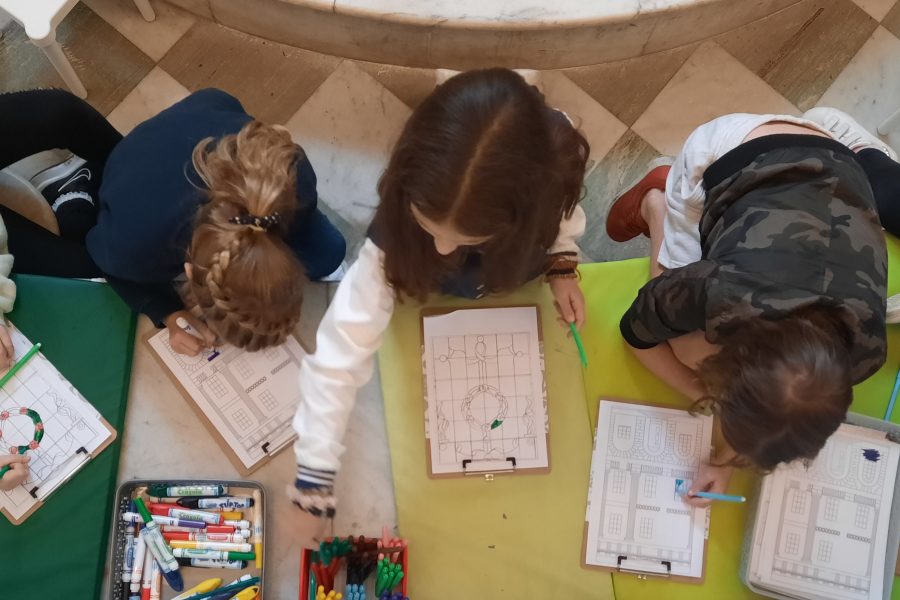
(209, 533)
(357, 568)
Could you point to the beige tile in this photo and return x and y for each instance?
(710, 84)
(598, 125)
(805, 47)
(156, 92)
(200, 8)
(624, 164)
(627, 87)
(891, 21)
(154, 38)
(409, 84)
(271, 80)
(877, 9)
(348, 129)
(107, 63)
(869, 88)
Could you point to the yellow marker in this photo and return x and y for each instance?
(257, 527)
(202, 587)
(332, 595)
(226, 546)
(232, 515)
(247, 593)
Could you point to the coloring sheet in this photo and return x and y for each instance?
(249, 397)
(821, 531)
(485, 391)
(70, 424)
(633, 510)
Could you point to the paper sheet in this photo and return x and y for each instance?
(70, 423)
(633, 510)
(249, 397)
(486, 395)
(821, 531)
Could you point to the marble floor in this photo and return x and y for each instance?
(346, 114)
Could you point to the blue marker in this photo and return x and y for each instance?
(680, 485)
(890, 406)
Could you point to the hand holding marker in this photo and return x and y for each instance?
(681, 489)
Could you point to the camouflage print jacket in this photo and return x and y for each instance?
(789, 222)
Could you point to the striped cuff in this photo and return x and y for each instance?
(313, 478)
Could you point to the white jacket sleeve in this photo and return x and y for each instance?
(7, 286)
(348, 338)
(570, 230)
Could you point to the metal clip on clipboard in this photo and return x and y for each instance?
(488, 467)
(643, 568)
(46, 492)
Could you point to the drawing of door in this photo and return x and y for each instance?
(623, 432)
(654, 436)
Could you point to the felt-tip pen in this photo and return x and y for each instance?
(158, 547)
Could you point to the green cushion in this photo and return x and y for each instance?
(87, 332)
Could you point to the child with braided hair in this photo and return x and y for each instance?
(209, 216)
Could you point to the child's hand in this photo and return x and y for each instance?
(7, 353)
(710, 478)
(569, 301)
(191, 343)
(18, 470)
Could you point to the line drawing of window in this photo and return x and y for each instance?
(243, 367)
(650, 487)
(684, 444)
(792, 543)
(623, 432)
(646, 528)
(270, 353)
(618, 482)
(615, 524)
(823, 554)
(798, 504)
(241, 418)
(868, 470)
(831, 509)
(862, 516)
(268, 400)
(217, 387)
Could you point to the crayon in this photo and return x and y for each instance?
(167, 510)
(211, 554)
(209, 563)
(137, 570)
(203, 537)
(257, 527)
(229, 546)
(207, 585)
(163, 490)
(128, 561)
(131, 517)
(147, 576)
(157, 546)
(225, 502)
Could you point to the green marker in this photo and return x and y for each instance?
(21, 363)
(497, 423)
(578, 343)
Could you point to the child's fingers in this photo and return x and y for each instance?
(14, 460)
(6, 342)
(578, 306)
(185, 343)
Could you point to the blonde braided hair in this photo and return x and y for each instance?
(245, 280)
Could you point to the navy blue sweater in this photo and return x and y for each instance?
(150, 195)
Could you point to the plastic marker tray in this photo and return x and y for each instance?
(192, 575)
(340, 580)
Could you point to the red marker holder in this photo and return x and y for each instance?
(306, 563)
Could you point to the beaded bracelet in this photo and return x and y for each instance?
(34, 444)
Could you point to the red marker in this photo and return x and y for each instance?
(203, 537)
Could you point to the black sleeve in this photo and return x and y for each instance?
(157, 301)
(668, 306)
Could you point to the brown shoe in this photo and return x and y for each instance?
(624, 220)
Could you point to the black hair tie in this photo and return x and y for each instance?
(257, 223)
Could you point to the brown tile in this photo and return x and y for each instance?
(627, 87)
(271, 80)
(891, 21)
(623, 164)
(800, 50)
(411, 85)
(108, 64)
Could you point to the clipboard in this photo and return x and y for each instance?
(642, 569)
(484, 468)
(270, 451)
(74, 463)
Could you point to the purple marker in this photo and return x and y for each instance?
(131, 517)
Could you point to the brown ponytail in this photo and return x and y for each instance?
(246, 281)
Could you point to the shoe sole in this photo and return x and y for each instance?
(51, 175)
(659, 161)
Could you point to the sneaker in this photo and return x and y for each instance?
(624, 220)
(847, 130)
(68, 188)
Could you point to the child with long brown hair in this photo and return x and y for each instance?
(480, 196)
(769, 275)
